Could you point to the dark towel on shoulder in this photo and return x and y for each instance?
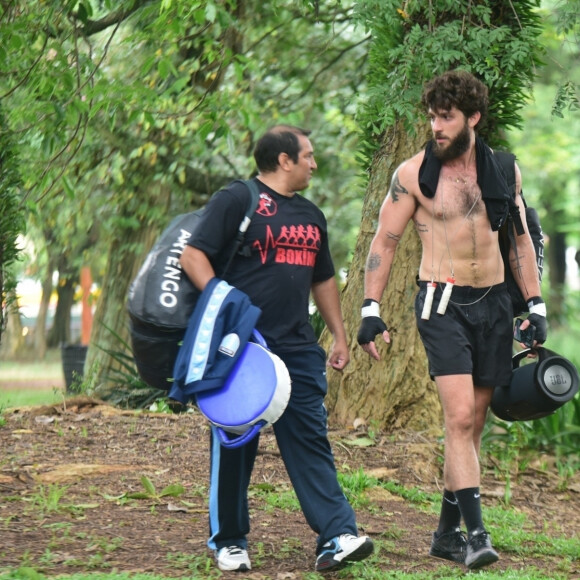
(490, 178)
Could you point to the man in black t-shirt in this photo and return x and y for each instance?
(286, 259)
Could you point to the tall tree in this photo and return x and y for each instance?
(133, 111)
(498, 42)
(212, 65)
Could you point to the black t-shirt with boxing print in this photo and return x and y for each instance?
(288, 251)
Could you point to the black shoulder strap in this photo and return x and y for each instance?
(245, 223)
(506, 162)
(252, 205)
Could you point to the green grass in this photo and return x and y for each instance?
(19, 381)
(205, 570)
(25, 397)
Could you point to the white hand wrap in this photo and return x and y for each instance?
(537, 306)
(371, 309)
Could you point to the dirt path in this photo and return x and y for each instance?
(96, 457)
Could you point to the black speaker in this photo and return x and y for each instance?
(536, 389)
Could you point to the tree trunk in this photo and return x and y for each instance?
(60, 333)
(555, 250)
(13, 344)
(110, 330)
(396, 392)
(557, 276)
(40, 325)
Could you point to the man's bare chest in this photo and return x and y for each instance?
(457, 197)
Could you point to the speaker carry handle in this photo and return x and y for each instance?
(543, 353)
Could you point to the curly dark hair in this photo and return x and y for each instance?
(278, 139)
(456, 88)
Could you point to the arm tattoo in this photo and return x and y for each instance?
(393, 236)
(373, 262)
(421, 228)
(397, 189)
(518, 266)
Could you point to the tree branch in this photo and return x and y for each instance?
(91, 27)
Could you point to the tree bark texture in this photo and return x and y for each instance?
(396, 392)
(41, 318)
(556, 254)
(128, 249)
(60, 332)
(111, 317)
(13, 344)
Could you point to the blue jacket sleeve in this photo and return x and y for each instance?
(219, 328)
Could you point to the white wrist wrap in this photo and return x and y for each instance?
(539, 309)
(371, 310)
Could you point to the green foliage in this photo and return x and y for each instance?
(281, 497)
(135, 120)
(150, 493)
(354, 485)
(514, 445)
(560, 432)
(422, 500)
(513, 533)
(11, 217)
(197, 566)
(505, 443)
(566, 98)
(47, 500)
(495, 41)
(129, 113)
(317, 323)
(563, 27)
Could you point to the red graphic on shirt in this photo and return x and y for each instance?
(297, 245)
(266, 206)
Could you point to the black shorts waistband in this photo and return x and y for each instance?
(467, 293)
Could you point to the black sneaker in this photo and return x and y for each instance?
(479, 550)
(449, 546)
(343, 549)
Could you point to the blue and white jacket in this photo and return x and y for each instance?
(219, 328)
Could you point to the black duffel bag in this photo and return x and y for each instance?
(162, 298)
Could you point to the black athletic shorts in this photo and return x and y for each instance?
(473, 337)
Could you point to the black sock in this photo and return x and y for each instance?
(450, 517)
(470, 505)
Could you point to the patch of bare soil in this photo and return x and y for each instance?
(98, 455)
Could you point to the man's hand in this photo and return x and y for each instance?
(537, 318)
(338, 357)
(371, 325)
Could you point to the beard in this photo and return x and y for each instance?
(456, 147)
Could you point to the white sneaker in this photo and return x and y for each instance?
(233, 558)
(343, 549)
